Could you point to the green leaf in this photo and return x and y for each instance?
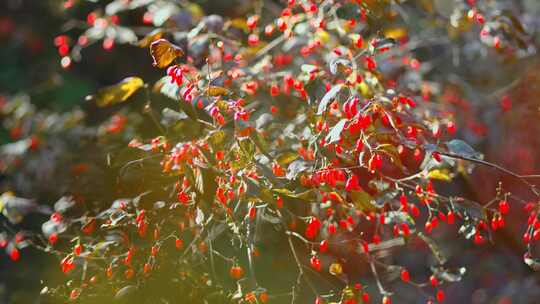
(296, 167)
(437, 253)
(308, 195)
(286, 157)
(329, 96)
(117, 93)
(461, 148)
(335, 134)
(363, 201)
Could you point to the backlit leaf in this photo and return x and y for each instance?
(164, 53)
(153, 36)
(440, 174)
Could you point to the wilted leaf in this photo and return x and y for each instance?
(117, 93)
(164, 53)
(153, 36)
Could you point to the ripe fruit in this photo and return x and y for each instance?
(504, 207)
(15, 255)
(440, 295)
(77, 249)
(236, 272)
(323, 246)
(315, 263)
(405, 276)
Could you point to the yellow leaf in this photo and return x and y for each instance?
(440, 174)
(335, 269)
(363, 201)
(286, 158)
(217, 91)
(117, 93)
(396, 33)
(164, 53)
(153, 36)
(238, 23)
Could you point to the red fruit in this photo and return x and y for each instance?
(178, 243)
(77, 249)
(323, 246)
(375, 162)
(236, 272)
(15, 255)
(440, 295)
(433, 280)
(352, 183)
(451, 127)
(253, 39)
(315, 263)
(147, 268)
(274, 90)
(450, 217)
(252, 22)
(405, 276)
(252, 213)
(129, 273)
(109, 272)
(428, 227)
(56, 217)
(437, 156)
(386, 300)
(478, 239)
(526, 238)
(154, 251)
(365, 297)
(75, 294)
(53, 238)
(504, 207)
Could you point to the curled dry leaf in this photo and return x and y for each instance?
(164, 53)
(151, 37)
(117, 93)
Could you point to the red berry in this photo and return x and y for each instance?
(440, 295)
(315, 263)
(15, 255)
(236, 272)
(433, 280)
(405, 276)
(323, 246)
(504, 207)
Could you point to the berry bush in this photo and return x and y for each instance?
(308, 151)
